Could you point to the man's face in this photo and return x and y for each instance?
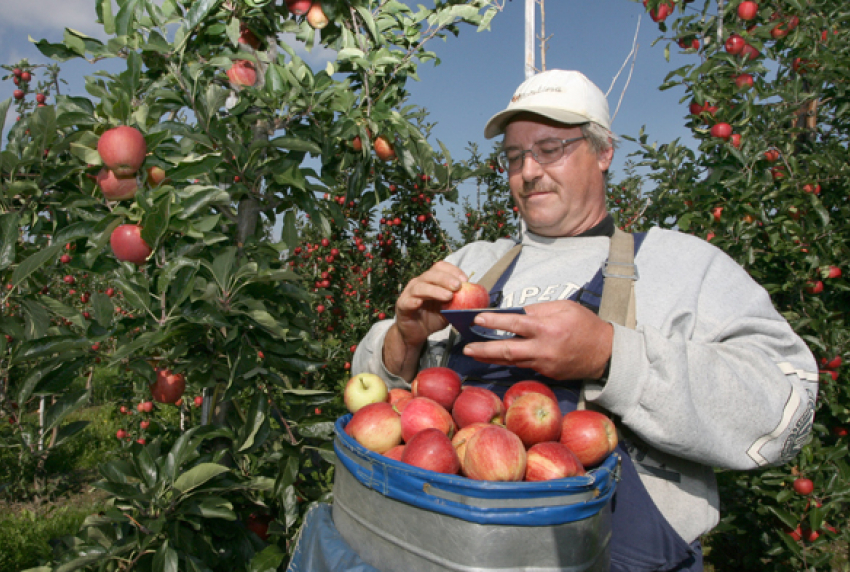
(564, 198)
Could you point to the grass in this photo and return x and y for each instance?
(29, 519)
(26, 531)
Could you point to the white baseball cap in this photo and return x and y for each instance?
(565, 96)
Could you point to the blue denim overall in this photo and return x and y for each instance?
(642, 539)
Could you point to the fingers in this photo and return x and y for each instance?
(438, 283)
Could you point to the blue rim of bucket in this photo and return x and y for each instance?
(544, 503)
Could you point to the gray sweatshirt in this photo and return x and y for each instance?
(713, 375)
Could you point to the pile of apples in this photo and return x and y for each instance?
(441, 425)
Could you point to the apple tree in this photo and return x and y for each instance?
(765, 98)
(182, 181)
(489, 214)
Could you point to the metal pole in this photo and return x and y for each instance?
(529, 38)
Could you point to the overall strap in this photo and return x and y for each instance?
(620, 272)
(618, 292)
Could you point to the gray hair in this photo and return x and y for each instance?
(598, 136)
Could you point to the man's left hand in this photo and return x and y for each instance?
(562, 340)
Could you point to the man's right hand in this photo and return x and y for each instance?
(417, 315)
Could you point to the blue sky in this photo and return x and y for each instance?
(479, 71)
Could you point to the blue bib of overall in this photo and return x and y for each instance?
(642, 540)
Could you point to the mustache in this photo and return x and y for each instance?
(529, 187)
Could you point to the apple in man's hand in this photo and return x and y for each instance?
(470, 297)
(363, 389)
(591, 435)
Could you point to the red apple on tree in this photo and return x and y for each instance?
(803, 486)
(168, 387)
(376, 426)
(470, 296)
(122, 149)
(721, 130)
(477, 404)
(750, 52)
(242, 73)
(744, 81)
(494, 454)
(422, 413)
(591, 435)
(363, 389)
(534, 418)
(127, 244)
(156, 175)
(747, 10)
(247, 37)
(258, 523)
(551, 460)
(299, 7)
(432, 450)
(383, 148)
(735, 44)
(441, 384)
(316, 16)
(116, 188)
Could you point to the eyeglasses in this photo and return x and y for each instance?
(544, 152)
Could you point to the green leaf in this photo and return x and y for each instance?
(165, 559)
(48, 346)
(198, 475)
(197, 197)
(65, 405)
(269, 560)
(137, 295)
(155, 223)
(8, 238)
(68, 430)
(34, 263)
(257, 416)
(4, 110)
(213, 507)
(145, 466)
(296, 144)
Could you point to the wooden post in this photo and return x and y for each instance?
(529, 38)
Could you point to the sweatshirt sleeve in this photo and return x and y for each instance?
(713, 373)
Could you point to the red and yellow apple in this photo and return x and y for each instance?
(494, 454)
(551, 460)
(441, 384)
(376, 426)
(122, 149)
(534, 418)
(591, 435)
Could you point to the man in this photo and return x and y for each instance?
(711, 376)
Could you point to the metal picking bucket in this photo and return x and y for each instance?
(401, 518)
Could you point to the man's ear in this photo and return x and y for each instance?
(605, 158)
